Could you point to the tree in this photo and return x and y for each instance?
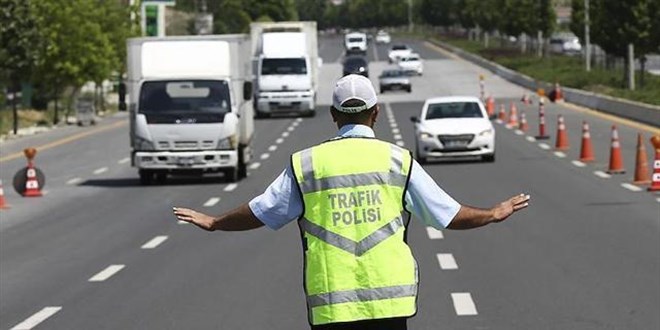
(438, 12)
(18, 35)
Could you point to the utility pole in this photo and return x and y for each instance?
(587, 41)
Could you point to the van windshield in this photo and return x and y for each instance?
(283, 66)
(453, 110)
(358, 39)
(190, 100)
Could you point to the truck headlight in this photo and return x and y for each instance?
(486, 132)
(143, 144)
(228, 143)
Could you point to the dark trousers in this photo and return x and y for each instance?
(399, 323)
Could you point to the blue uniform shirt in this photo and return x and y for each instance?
(281, 202)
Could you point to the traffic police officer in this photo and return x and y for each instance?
(352, 197)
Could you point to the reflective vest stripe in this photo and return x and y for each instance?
(352, 180)
(394, 178)
(349, 245)
(361, 295)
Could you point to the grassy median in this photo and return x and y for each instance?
(567, 70)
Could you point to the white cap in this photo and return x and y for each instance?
(354, 87)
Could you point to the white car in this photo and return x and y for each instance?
(411, 64)
(397, 52)
(383, 37)
(454, 126)
(356, 42)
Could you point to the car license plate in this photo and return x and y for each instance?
(456, 144)
(186, 160)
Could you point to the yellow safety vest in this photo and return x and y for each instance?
(357, 263)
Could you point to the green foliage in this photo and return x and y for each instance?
(18, 34)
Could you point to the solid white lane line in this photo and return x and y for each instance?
(154, 242)
(400, 143)
(212, 201)
(100, 170)
(531, 139)
(264, 155)
(463, 303)
(602, 174)
(254, 166)
(544, 146)
(631, 187)
(395, 131)
(230, 187)
(285, 134)
(560, 154)
(578, 163)
(279, 140)
(434, 233)
(37, 318)
(272, 148)
(447, 261)
(124, 160)
(106, 273)
(74, 181)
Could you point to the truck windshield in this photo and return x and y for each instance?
(191, 100)
(283, 66)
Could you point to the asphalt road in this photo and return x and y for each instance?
(100, 251)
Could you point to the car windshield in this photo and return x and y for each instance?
(196, 100)
(409, 59)
(355, 62)
(453, 110)
(392, 73)
(283, 66)
(399, 47)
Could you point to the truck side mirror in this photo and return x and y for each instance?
(122, 96)
(247, 90)
(414, 119)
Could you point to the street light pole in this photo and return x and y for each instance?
(587, 41)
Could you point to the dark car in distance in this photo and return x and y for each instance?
(356, 65)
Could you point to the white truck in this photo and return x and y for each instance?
(356, 43)
(189, 101)
(286, 67)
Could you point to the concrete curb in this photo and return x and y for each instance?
(641, 112)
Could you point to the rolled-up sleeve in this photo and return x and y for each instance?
(280, 203)
(427, 201)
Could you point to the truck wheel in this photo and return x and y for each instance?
(490, 158)
(310, 113)
(242, 166)
(261, 114)
(146, 177)
(160, 178)
(231, 175)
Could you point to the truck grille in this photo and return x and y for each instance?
(185, 144)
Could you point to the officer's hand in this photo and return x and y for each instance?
(513, 204)
(201, 220)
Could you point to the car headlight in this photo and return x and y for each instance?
(425, 135)
(228, 142)
(143, 144)
(487, 132)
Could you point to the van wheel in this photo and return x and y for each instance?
(146, 177)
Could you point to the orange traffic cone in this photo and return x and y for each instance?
(523, 122)
(3, 203)
(655, 179)
(513, 116)
(525, 99)
(616, 160)
(562, 134)
(586, 149)
(641, 167)
(542, 135)
(558, 96)
(490, 107)
(502, 114)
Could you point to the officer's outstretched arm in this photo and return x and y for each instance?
(240, 218)
(472, 217)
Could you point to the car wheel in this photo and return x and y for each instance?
(490, 158)
(409, 89)
(421, 160)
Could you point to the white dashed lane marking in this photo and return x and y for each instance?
(602, 174)
(254, 166)
(212, 201)
(264, 155)
(123, 160)
(447, 261)
(400, 143)
(531, 139)
(272, 148)
(291, 128)
(395, 131)
(74, 181)
(100, 170)
(519, 132)
(279, 140)
(631, 187)
(578, 163)
(544, 146)
(397, 136)
(560, 154)
(230, 187)
(434, 233)
(154, 242)
(37, 318)
(106, 273)
(285, 134)
(463, 303)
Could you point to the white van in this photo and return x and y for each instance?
(356, 42)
